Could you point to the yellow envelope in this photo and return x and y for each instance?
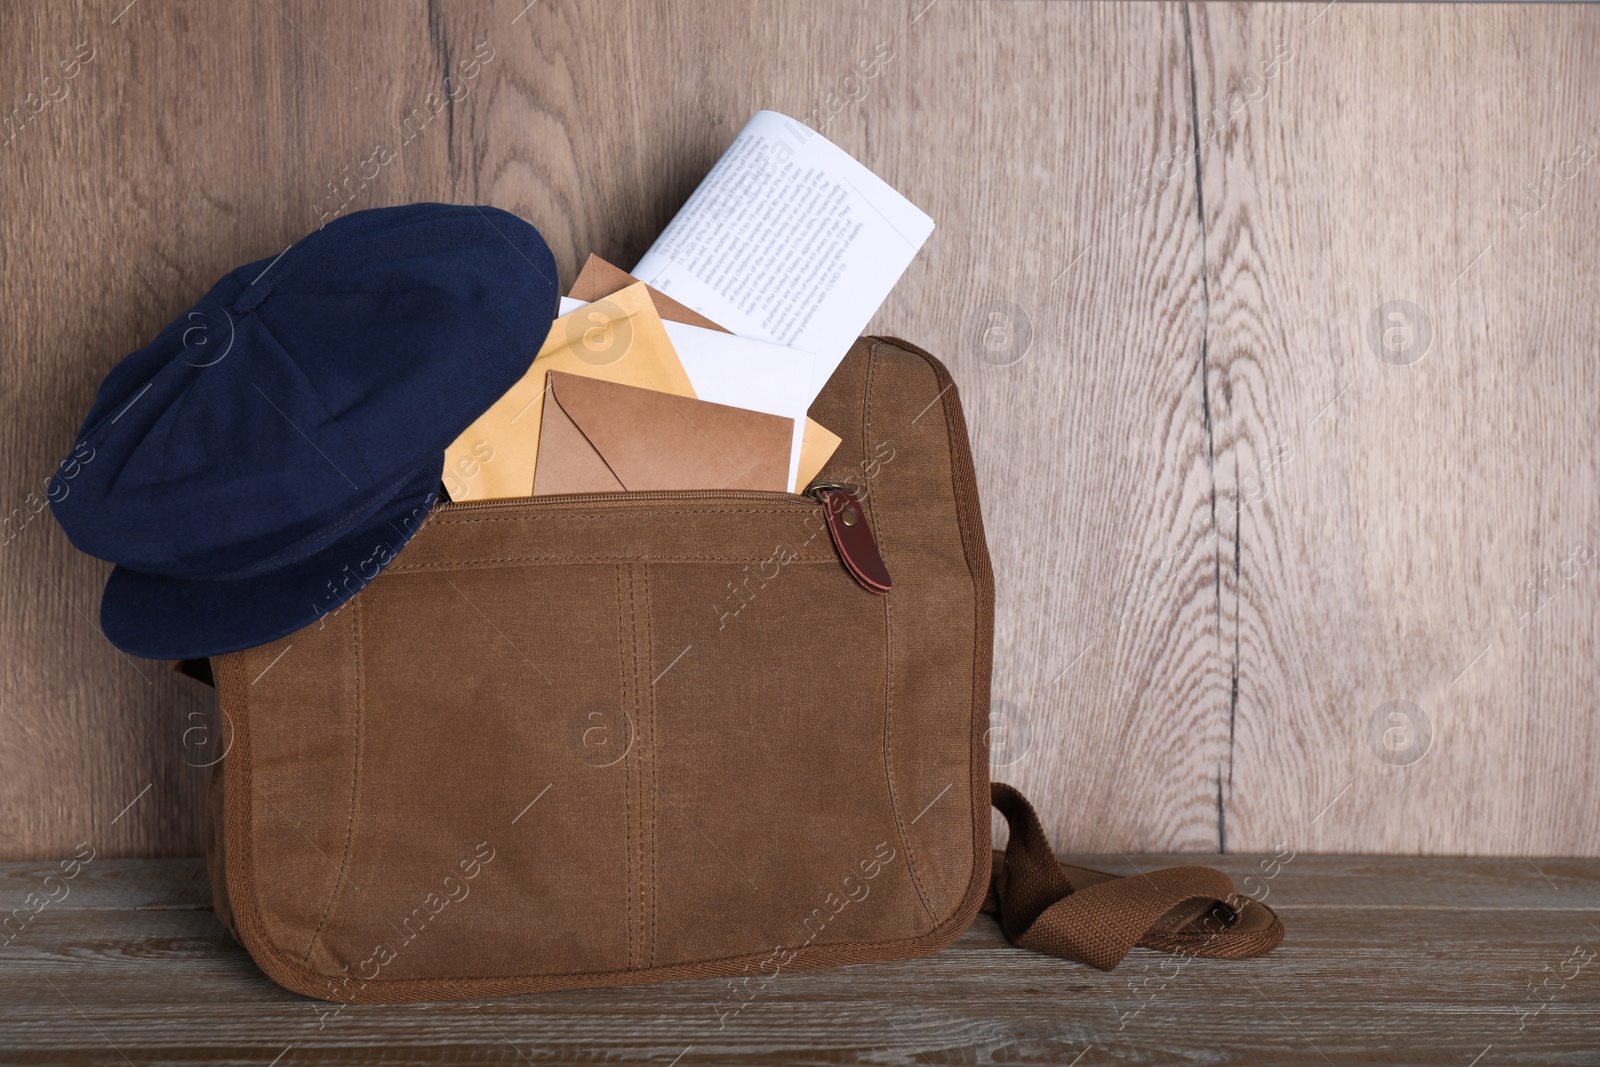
(600, 279)
(817, 446)
(617, 339)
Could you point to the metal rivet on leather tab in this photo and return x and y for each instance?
(852, 536)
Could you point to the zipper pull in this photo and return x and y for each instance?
(852, 537)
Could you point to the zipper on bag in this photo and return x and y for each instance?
(852, 536)
(842, 512)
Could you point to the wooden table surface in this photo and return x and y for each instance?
(1275, 327)
(1388, 960)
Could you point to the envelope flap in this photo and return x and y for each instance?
(654, 440)
(568, 461)
(599, 279)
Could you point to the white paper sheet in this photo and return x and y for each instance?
(788, 240)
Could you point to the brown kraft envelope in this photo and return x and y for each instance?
(600, 279)
(599, 436)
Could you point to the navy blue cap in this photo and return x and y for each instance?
(255, 465)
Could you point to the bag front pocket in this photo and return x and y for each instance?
(596, 734)
(776, 827)
(425, 795)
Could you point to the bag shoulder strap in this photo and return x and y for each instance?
(1095, 918)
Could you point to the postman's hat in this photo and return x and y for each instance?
(259, 462)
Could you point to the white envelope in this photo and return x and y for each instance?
(741, 373)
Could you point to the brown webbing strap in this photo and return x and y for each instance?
(1095, 918)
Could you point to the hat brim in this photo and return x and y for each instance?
(159, 617)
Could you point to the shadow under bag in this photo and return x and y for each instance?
(630, 737)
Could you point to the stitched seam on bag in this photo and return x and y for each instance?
(963, 490)
(402, 568)
(635, 824)
(830, 954)
(355, 780)
(649, 953)
(888, 679)
(888, 760)
(788, 508)
(630, 664)
(888, 682)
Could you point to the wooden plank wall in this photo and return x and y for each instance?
(1275, 326)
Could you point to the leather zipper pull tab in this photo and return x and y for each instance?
(852, 537)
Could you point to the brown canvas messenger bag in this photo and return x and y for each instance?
(593, 740)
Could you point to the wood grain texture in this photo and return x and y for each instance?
(1386, 962)
(1386, 559)
(1225, 532)
(1074, 332)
